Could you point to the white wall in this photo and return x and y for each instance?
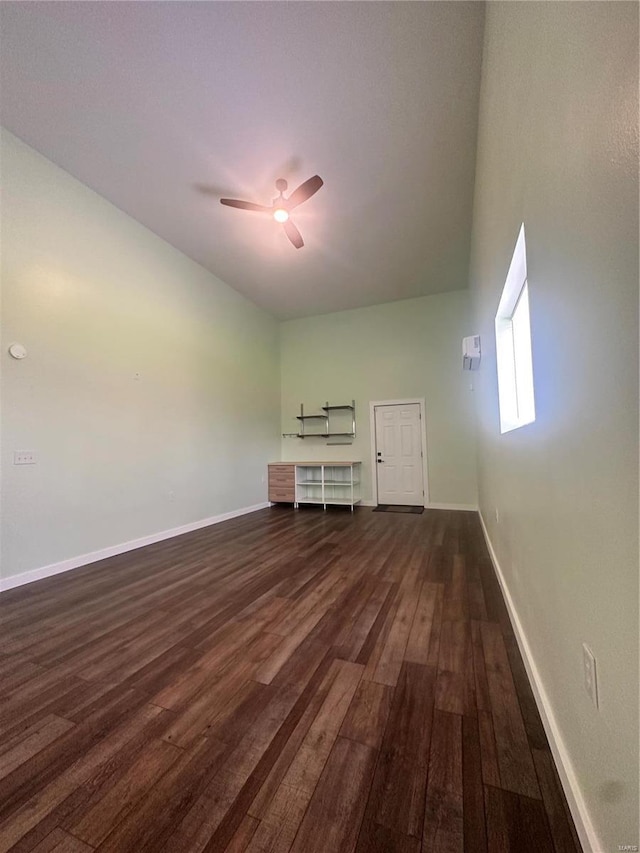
(558, 150)
(96, 298)
(405, 349)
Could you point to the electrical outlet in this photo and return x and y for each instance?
(497, 516)
(24, 457)
(590, 677)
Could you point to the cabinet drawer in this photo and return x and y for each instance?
(281, 469)
(282, 480)
(281, 494)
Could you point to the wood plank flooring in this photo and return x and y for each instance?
(286, 681)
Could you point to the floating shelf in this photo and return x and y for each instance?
(325, 420)
(324, 434)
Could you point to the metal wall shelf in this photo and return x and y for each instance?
(326, 419)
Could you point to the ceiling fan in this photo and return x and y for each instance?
(282, 206)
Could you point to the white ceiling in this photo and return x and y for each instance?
(163, 107)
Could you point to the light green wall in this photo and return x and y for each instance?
(97, 298)
(151, 391)
(395, 351)
(558, 151)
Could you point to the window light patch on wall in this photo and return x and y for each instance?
(513, 345)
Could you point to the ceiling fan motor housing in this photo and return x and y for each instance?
(281, 206)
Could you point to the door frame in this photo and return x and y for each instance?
(423, 430)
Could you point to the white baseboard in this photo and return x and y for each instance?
(584, 827)
(462, 507)
(114, 550)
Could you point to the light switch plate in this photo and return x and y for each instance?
(590, 677)
(24, 457)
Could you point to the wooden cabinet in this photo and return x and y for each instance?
(282, 483)
(326, 483)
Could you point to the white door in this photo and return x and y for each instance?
(399, 455)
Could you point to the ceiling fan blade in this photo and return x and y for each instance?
(293, 234)
(245, 205)
(304, 191)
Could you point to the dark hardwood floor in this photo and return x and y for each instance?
(286, 681)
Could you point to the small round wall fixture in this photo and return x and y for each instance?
(17, 351)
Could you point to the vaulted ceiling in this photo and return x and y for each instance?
(164, 107)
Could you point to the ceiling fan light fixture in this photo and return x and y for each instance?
(281, 206)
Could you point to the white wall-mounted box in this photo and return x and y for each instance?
(471, 352)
